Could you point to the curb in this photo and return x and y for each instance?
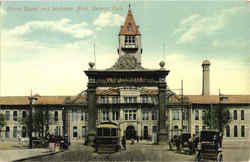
(37, 156)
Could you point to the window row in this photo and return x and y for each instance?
(129, 39)
(83, 115)
(235, 129)
(15, 132)
(75, 131)
(129, 99)
(15, 115)
(176, 114)
(235, 115)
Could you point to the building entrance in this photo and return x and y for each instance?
(130, 132)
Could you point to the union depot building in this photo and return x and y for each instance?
(137, 99)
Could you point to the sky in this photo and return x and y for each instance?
(47, 45)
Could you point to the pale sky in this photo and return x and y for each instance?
(46, 46)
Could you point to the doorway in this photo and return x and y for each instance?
(130, 132)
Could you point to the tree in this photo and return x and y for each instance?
(2, 122)
(217, 117)
(40, 122)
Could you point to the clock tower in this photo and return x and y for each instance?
(130, 39)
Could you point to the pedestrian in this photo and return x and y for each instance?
(178, 143)
(137, 138)
(220, 139)
(124, 142)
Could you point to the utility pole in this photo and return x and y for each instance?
(182, 106)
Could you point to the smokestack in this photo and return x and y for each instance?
(205, 78)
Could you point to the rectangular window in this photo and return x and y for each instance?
(145, 115)
(130, 114)
(105, 99)
(242, 115)
(74, 131)
(83, 131)
(196, 129)
(57, 131)
(15, 115)
(116, 99)
(185, 115)
(105, 115)
(74, 115)
(115, 115)
(126, 114)
(155, 100)
(82, 115)
(14, 131)
(126, 100)
(175, 115)
(196, 114)
(144, 99)
(134, 99)
(7, 115)
(154, 115)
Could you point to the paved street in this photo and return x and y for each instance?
(236, 151)
(233, 151)
(136, 152)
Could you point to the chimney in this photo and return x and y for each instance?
(205, 78)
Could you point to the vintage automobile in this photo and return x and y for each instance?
(208, 146)
(107, 139)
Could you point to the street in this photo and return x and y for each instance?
(233, 151)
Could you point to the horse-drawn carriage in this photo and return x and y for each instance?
(208, 146)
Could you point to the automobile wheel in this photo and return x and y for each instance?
(219, 157)
(197, 157)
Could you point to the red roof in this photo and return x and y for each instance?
(129, 20)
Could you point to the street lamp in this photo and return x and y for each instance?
(31, 99)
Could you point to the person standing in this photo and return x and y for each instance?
(124, 142)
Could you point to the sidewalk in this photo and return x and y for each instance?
(12, 155)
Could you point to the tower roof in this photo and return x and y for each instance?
(129, 22)
(206, 62)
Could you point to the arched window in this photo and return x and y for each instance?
(228, 115)
(196, 115)
(242, 131)
(24, 131)
(235, 131)
(24, 114)
(56, 115)
(74, 131)
(235, 114)
(228, 131)
(7, 115)
(15, 115)
(7, 132)
(15, 131)
(242, 115)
